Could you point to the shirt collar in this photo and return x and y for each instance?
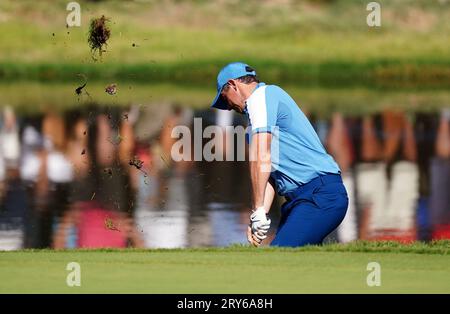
(257, 86)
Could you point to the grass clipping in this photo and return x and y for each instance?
(99, 34)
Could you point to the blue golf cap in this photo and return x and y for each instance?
(229, 72)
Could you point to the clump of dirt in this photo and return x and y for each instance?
(79, 89)
(109, 224)
(136, 162)
(108, 171)
(111, 89)
(99, 34)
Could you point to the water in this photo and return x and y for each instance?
(103, 176)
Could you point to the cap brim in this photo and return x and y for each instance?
(219, 102)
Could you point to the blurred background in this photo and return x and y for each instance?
(83, 167)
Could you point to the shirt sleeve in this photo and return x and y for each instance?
(262, 110)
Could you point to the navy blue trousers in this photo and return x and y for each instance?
(312, 212)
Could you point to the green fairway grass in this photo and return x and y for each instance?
(418, 268)
(321, 42)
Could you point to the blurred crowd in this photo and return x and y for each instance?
(78, 178)
(395, 166)
(104, 177)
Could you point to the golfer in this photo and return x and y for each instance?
(287, 157)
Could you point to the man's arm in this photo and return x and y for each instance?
(262, 113)
(260, 166)
(262, 189)
(269, 195)
(268, 199)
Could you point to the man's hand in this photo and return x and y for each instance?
(259, 226)
(260, 223)
(252, 239)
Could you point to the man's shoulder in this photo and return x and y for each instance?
(267, 95)
(273, 88)
(274, 92)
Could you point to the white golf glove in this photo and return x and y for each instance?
(260, 223)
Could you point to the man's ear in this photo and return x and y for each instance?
(233, 84)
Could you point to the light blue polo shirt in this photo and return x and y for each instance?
(297, 155)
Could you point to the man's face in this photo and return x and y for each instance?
(232, 96)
